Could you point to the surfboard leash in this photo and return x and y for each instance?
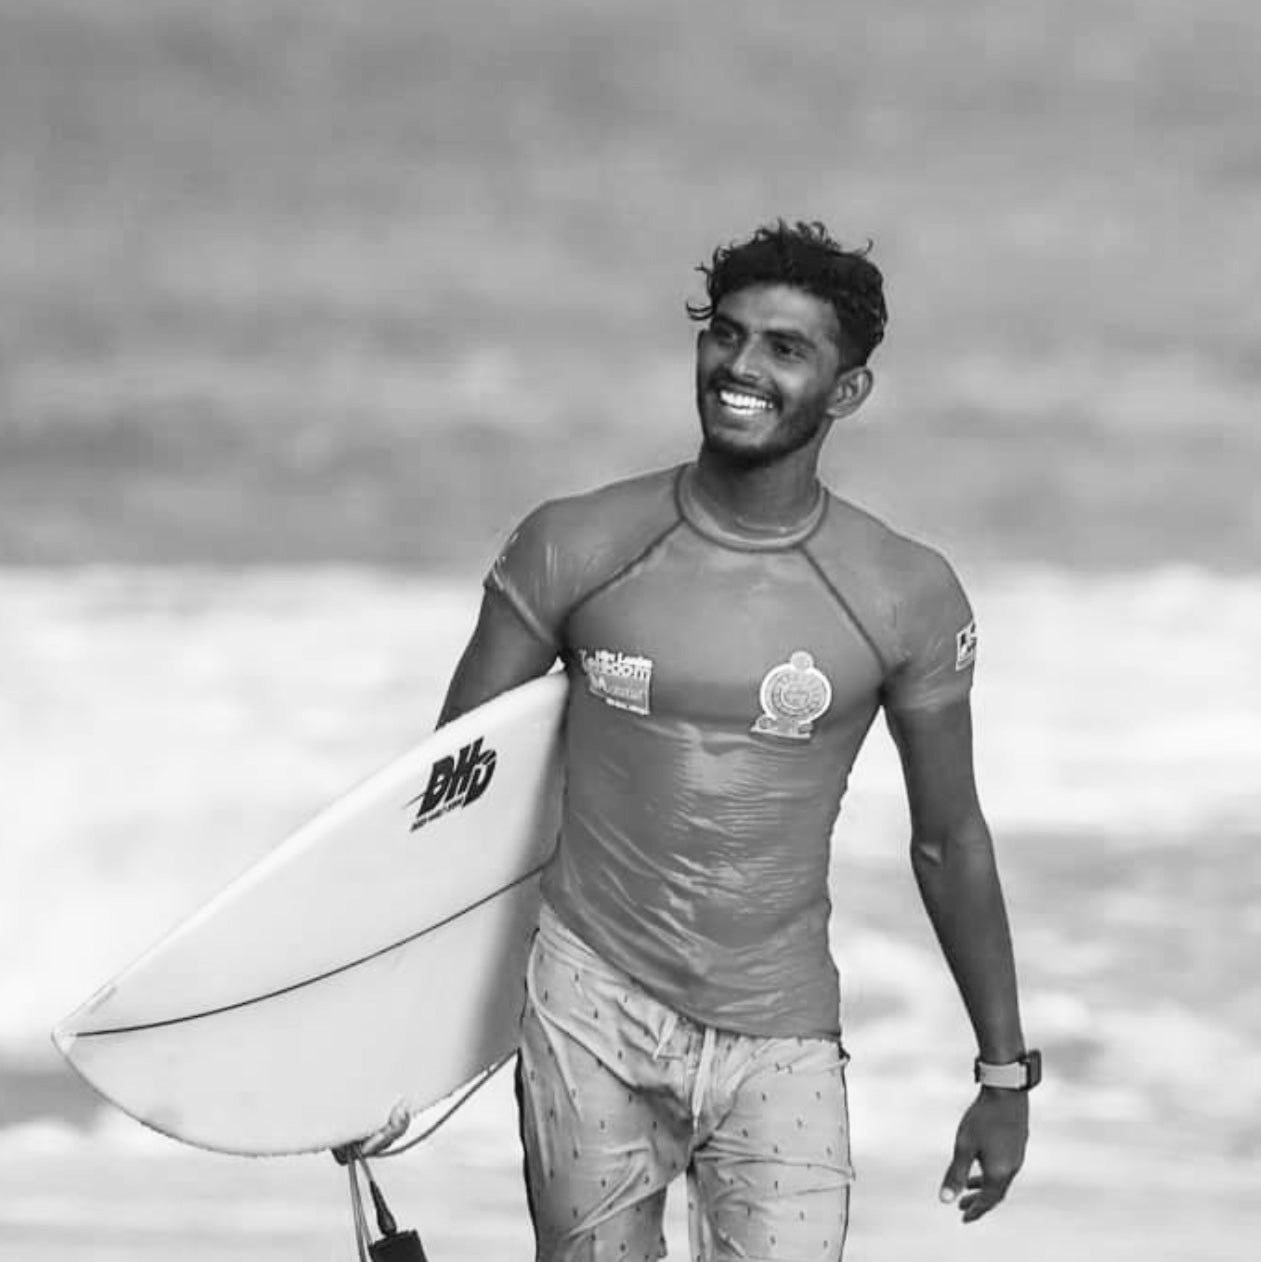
(468, 1094)
(362, 1237)
(394, 1245)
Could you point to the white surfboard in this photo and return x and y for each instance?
(375, 957)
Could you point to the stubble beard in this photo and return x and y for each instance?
(785, 441)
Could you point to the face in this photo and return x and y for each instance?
(768, 374)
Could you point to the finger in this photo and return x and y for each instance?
(400, 1119)
(982, 1206)
(973, 1207)
(956, 1176)
(976, 1204)
(378, 1142)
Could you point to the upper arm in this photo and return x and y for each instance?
(935, 746)
(927, 703)
(502, 653)
(518, 633)
(935, 636)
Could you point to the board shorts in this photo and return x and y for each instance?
(620, 1094)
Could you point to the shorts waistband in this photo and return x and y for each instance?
(564, 943)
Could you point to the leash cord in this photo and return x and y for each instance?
(487, 1075)
(361, 1221)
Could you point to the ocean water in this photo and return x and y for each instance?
(161, 729)
(279, 285)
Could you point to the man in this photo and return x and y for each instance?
(730, 630)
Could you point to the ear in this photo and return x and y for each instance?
(850, 392)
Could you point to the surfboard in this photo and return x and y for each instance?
(374, 958)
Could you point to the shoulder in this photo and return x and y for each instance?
(610, 510)
(907, 570)
(568, 546)
(608, 520)
(904, 593)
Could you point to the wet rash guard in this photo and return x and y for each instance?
(722, 682)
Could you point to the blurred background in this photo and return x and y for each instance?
(303, 305)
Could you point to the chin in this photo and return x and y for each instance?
(736, 453)
(723, 436)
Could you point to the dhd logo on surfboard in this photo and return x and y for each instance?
(453, 782)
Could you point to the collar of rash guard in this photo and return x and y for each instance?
(704, 517)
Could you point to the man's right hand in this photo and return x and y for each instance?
(399, 1120)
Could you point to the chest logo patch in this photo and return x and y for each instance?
(793, 695)
(621, 679)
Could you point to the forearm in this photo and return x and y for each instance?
(473, 684)
(461, 697)
(958, 881)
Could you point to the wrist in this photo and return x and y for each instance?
(1019, 1074)
(1004, 1098)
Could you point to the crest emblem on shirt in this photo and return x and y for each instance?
(623, 680)
(793, 695)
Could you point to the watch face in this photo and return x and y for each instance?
(1033, 1069)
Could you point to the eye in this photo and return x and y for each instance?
(723, 334)
(786, 350)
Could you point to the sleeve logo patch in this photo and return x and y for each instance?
(965, 646)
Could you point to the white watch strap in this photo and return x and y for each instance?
(1013, 1076)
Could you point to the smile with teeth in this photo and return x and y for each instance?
(738, 401)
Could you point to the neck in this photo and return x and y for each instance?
(760, 496)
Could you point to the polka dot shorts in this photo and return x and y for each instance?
(619, 1095)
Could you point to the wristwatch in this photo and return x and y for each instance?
(1022, 1074)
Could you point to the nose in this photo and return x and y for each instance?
(744, 363)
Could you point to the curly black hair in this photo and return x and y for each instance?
(805, 256)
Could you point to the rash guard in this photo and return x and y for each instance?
(722, 683)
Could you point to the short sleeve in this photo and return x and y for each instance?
(529, 573)
(937, 636)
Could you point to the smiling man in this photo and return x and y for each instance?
(731, 630)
